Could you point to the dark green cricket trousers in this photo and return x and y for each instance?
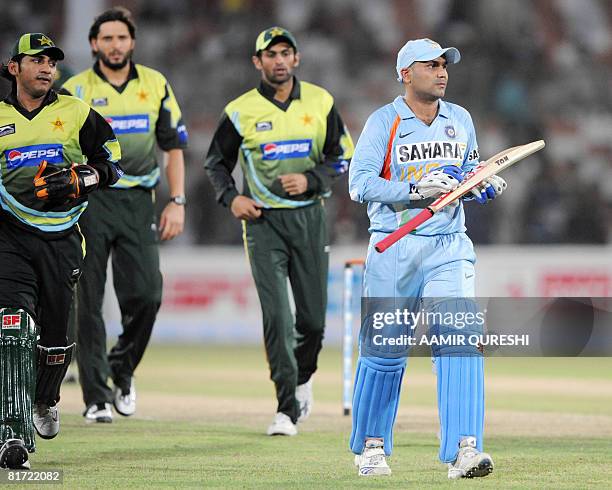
(290, 243)
(39, 274)
(119, 223)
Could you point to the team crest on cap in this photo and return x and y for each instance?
(450, 131)
(272, 33)
(45, 41)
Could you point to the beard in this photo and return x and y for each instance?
(36, 93)
(278, 79)
(114, 66)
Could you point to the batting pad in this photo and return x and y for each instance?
(376, 395)
(17, 376)
(460, 402)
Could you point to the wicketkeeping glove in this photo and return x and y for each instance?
(54, 184)
(435, 183)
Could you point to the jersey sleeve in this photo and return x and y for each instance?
(365, 182)
(100, 146)
(170, 131)
(221, 160)
(472, 154)
(337, 150)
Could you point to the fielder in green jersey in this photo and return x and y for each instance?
(139, 104)
(54, 151)
(292, 145)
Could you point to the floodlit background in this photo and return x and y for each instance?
(530, 69)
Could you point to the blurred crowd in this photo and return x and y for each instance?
(530, 69)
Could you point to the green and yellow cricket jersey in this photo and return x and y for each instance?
(305, 135)
(141, 112)
(62, 131)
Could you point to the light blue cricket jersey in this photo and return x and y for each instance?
(383, 166)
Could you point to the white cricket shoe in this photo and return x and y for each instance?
(99, 412)
(282, 426)
(470, 462)
(372, 461)
(125, 402)
(303, 394)
(46, 420)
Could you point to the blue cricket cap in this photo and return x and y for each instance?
(423, 50)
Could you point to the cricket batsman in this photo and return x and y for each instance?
(413, 150)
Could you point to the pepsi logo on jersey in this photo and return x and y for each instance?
(31, 156)
(282, 150)
(134, 123)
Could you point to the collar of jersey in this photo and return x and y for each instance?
(11, 99)
(405, 112)
(131, 76)
(268, 91)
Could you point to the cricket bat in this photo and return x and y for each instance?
(492, 166)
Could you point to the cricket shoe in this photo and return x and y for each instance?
(46, 420)
(470, 462)
(98, 412)
(303, 394)
(372, 461)
(14, 455)
(124, 400)
(282, 426)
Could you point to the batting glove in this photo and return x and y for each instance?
(56, 185)
(487, 190)
(437, 182)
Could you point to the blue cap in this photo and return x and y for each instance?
(423, 50)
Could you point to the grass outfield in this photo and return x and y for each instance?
(203, 410)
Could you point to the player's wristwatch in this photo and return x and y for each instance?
(180, 200)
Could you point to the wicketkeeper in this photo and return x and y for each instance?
(54, 151)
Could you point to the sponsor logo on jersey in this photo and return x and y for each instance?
(31, 156)
(474, 155)
(282, 150)
(11, 321)
(134, 123)
(99, 101)
(7, 129)
(263, 126)
(429, 150)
